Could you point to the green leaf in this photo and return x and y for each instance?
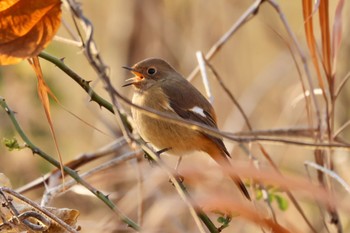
(11, 144)
(221, 219)
(224, 221)
(259, 194)
(282, 202)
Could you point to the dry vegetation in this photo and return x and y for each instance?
(282, 106)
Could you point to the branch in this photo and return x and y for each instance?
(247, 15)
(330, 173)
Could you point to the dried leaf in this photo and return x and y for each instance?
(325, 35)
(310, 37)
(44, 91)
(69, 216)
(26, 28)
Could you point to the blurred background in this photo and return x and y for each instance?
(255, 64)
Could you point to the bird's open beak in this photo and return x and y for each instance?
(138, 77)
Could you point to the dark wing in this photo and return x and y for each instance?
(183, 101)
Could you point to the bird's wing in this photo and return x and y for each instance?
(192, 105)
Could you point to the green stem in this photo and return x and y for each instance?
(207, 222)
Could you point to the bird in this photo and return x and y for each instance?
(157, 85)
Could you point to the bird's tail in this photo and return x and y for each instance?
(241, 186)
(223, 161)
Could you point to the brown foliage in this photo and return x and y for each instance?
(29, 25)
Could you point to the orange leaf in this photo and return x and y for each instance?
(26, 27)
(44, 92)
(325, 35)
(43, 89)
(310, 37)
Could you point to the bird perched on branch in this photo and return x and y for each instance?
(159, 86)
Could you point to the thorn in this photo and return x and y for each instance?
(179, 178)
(149, 159)
(163, 150)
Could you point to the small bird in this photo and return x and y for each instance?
(159, 86)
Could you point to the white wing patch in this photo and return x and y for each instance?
(198, 110)
(166, 106)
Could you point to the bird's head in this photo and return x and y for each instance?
(149, 72)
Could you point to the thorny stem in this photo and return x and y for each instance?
(82, 82)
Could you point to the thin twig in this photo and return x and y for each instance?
(344, 126)
(70, 30)
(300, 76)
(320, 209)
(230, 95)
(67, 41)
(287, 132)
(330, 173)
(246, 16)
(341, 85)
(140, 191)
(79, 161)
(302, 56)
(205, 80)
(52, 192)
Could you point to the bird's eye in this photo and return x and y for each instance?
(151, 71)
